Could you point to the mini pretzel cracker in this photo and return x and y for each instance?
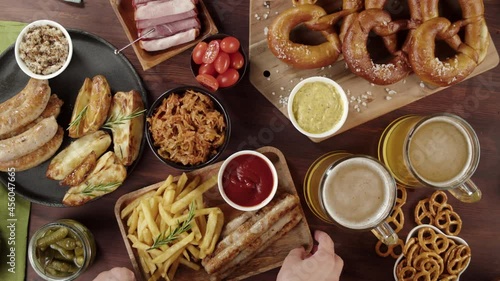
(397, 219)
(436, 211)
(405, 271)
(422, 213)
(401, 195)
(432, 256)
(449, 221)
(429, 261)
(431, 241)
(458, 259)
(429, 266)
(394, 250)
(437, 201)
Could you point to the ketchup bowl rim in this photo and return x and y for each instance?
(264, 202)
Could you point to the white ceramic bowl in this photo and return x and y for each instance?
(21, 63)
(274, 187)
(343, 99)
(414, 232)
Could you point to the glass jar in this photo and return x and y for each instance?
(61, 250)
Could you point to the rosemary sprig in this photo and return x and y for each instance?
(79, 117)
(118, 120)
(164, 239)
(107, 187)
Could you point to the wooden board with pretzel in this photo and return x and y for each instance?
(275, 79)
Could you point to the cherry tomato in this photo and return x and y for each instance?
(228, 78)
(208, 81)
(230, 44)
(212, 52)
(207, 68)
(199, 52)
(222, 62)
(237, 60)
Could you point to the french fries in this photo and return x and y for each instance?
(171, 227)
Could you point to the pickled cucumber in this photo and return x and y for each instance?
(60, 252)
(57, 235)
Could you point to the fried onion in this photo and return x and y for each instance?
(186, 128)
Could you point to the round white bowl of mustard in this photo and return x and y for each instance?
(318, 107)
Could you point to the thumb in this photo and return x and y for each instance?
(325, 243)
(295, 255)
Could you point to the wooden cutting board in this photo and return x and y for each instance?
(275, 79)
(270, 258)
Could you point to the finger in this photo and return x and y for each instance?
(337, 266)
(325, 243)
(314, 249)
(297, 254)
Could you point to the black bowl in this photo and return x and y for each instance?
(217, 105)
(219, 36)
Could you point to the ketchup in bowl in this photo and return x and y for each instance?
(247, 180)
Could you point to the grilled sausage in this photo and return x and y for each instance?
(25, 107)
(28, 141)
(36, 157)
(53, 108)
(245, 235)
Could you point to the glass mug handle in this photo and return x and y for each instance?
(467, 192)
(385, 234)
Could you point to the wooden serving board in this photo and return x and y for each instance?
(275, 79)
(124, 11)
(271, 258)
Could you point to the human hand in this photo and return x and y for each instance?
(116, 274)
(322, 265)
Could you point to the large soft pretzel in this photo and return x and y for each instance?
(418, 53)
(469, 53)
(356, 52)
(315, 18)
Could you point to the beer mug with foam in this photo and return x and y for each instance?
(355, 192)
(440, 151)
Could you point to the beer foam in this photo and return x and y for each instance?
(440, 151)
(358, 193)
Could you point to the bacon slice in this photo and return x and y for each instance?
(170, 41)
(156, 9)
(148, 23)
(137, 3)
(170, 29)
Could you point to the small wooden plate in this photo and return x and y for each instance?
(271, 258)
(125, 13)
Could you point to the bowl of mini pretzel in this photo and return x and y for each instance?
(429, 254)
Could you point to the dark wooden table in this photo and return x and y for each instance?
(477, 100)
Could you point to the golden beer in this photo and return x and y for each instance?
(439, 151)
(355, 192)
(312, 181)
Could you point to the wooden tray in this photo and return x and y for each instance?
(271, 258)
(275, 79)
(125, 13)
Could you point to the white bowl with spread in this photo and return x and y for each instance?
(318, 107)
(38, 57)
(247, 180)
